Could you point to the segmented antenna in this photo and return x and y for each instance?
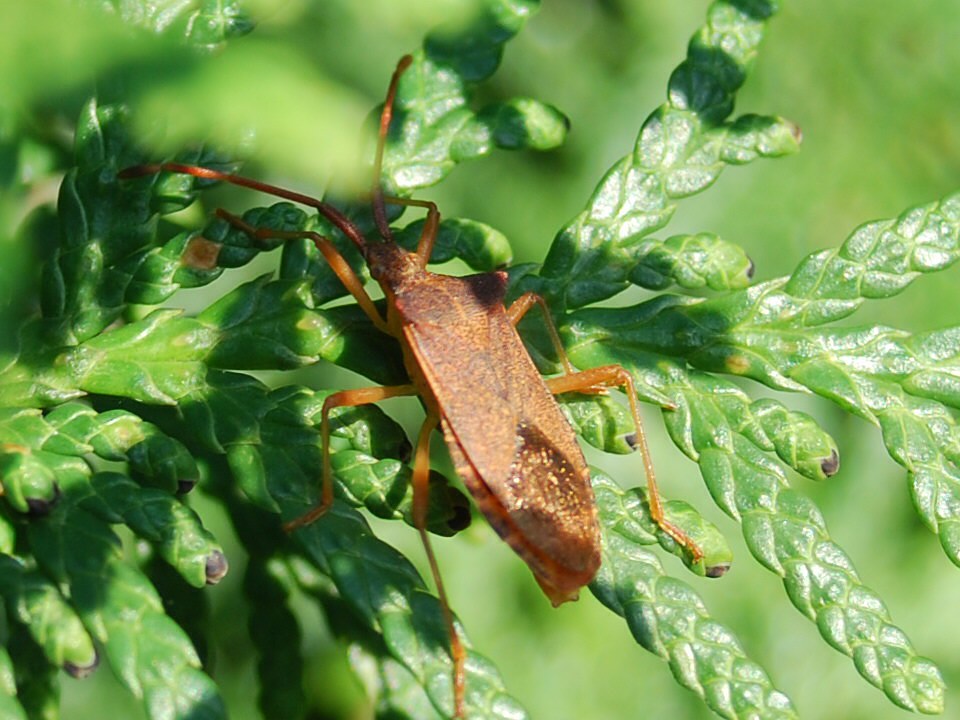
(386, 115)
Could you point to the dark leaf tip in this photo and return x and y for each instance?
(185, 485)
(82, 671)
(461, 517)
(831, 464)
(718, 570)
(216, 567)
(38, 507)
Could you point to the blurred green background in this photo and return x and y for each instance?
(874, 87)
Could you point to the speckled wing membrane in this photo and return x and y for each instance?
(512, 446)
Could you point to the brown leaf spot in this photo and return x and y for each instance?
(737, 364)
(201, 254)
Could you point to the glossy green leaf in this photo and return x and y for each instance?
(30, 479)
(901, 382)
(75, 429)
(480, 246)
(364, 443)
(437, 127)
(717, 426)
(187, 605)
(693, 261)
(601, 421)
(681, 150)
(172, 527)
(787, 533)
(46, 614)
(383, 588)
(9, 705)
(118, 606)
(8, 536)
(208, 22)
(38, 682)
(627, 512)
(276, 635)
(166, 402)
(670, 620)
(103, 223)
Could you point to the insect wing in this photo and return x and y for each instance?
(512, 446)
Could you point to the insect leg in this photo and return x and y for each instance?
(421, 489)
(338, 264)
(328, 211)
(344, 398)
(617, 376)
(519, 307)
(429, 233)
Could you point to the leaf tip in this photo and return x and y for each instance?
(216, 567)
(717, 570)
(78, 671)
(831, 465)
(185, 485)
(40, 507)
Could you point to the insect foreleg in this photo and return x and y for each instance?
(429, 233)
(335, 260)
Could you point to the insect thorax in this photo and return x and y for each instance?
(391, 265)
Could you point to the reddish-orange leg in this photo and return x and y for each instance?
(368, 395)
(344, 398)
(596, 380)
(616, 376)
(519, 307)
(335, 260)
(429, 233)
(362, 396)
(421, 490)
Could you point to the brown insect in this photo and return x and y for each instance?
(510, 443)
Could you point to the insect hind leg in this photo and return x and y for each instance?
(596, 381)
(616, 376)
(421, 489)
(519, 307)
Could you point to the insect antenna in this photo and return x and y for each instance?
(386, 115)
(338, 219)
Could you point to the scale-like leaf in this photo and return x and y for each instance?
(682, 148)
(47, 615)
(669, 619)
(9, 705)
(65, 583)
(120, 609)
(437, 129)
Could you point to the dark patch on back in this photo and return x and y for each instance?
(538, 460)
(489, 289)
(442, 300)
